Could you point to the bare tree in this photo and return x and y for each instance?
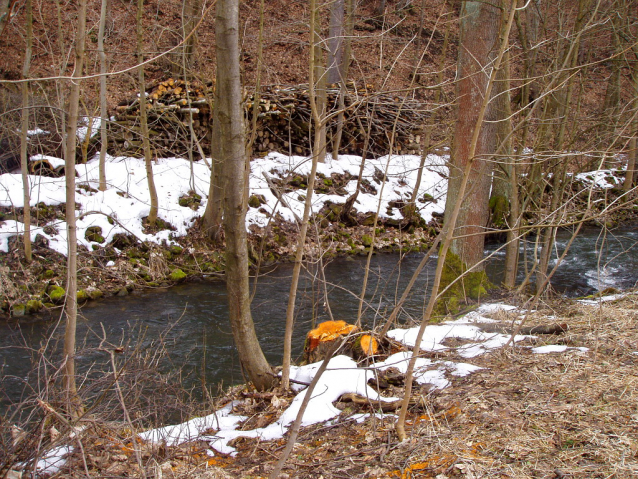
(71, 307)
(318, 115)
(24, 134)
(103, 110)
(232, 151)
(5, 12)
(148, 157)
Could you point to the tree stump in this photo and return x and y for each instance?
(320, 339)
(365, 346)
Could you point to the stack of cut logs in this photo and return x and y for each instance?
(180, 116)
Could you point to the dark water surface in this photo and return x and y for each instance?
(190, 321)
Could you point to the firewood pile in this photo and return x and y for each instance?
(172, 107)
(180, 117)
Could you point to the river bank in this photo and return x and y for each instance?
(119, 254)
(551, 406)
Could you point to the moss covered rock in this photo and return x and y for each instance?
(366, 240)
(56, 294)
(94, 233)
(177, 275)
(94, 293)
(82, 296)
(18, 309)
(33, 306)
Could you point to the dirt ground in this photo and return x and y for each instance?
(572, 414)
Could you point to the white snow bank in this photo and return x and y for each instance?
(341, 376)
(478, 341)
(127, 199)
(602, 299)
(401, 177)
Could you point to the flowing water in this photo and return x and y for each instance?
(190, 321)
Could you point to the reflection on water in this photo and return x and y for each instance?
(192, 320)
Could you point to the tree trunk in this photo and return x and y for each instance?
(190, 16)
(318, 153)
(103, 110)
(336, 42)
(212, 219)
(5, 13)
(232, 152)
(146, 146)
(320, 93)
(630, 177)
(24, 135)
(451, 222)
(71, 306)
(480, 25)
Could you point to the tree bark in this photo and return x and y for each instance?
(103, 110)
(212, 219)
(24, 135)
(71, 306)
(5, 13)
(478, 46)
(336, 42)
(232, 151)
(146, 146)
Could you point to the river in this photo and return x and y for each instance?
(190, 321)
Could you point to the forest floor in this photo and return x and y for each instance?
(566, 414)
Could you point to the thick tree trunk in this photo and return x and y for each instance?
(71, 306)
(235, 176)
(479, 35)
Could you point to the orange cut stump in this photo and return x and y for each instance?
(328, 331)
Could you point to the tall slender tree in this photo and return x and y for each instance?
(71, 306)
(103, 109)
(232, 150)
(24, 132)
(148, 156)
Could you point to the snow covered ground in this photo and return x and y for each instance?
(344, 376)
(127, 199)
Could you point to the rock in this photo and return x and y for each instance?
(177, 275)
(56, 293)
(94, 234)
(18, 310)
(82, 296)
(94, 293)
(366, 240)
(33, 306)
